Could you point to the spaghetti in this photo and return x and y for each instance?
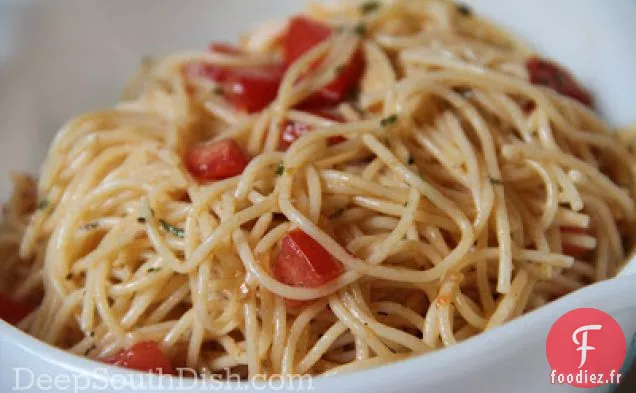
(406, 178)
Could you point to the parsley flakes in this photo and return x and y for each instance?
(90, 226)
(280, 169)
(389, 120)
(360, 29)
(369, 6)
(178, 232)
(464, 10)
(89, 349)
(337, 213)
(495, 181)
(218, 90)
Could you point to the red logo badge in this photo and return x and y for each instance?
(585, 348)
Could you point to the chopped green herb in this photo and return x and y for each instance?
(69, 276)
(360, 29)
(280, 169)
(89, 349)
(495, 181)
(153, 269)
(465, 91)
(389, 120)
(339, 69)
(337, 213)
(141, 220)
(411, 160)
(90, 226)
(369, 6)
(464, 9)
(91, 334)
(218, 90)
(178, 232)
(44, 203)
(152, 211)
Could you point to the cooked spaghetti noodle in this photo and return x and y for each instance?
(459, 195)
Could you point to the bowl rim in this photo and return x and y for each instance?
(435, 363)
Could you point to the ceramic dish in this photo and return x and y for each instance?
(64, 57)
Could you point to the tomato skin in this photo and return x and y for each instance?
(293, 130)
(571, 249)
(13, 311)
(217, 160)
(303, 34)
(252, 89)
(340, 88)
(143, 356)
(547, 73)
(248, 89)
(303, 262)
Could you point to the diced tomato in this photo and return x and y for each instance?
(571, 249)
(248, 89)
(303, 34)
(143, 356)
(550, 74)
(13, 311)
(294, 130)
(303, 262)
(217, 160)
(252, 89)
(339, 89)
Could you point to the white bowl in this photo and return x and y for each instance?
(61, 58)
